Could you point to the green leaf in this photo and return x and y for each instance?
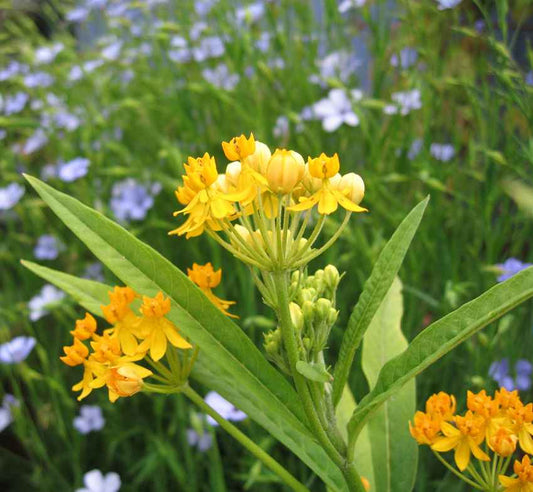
(88, 293)
(313, 371)
(438, 339)
(229, 362)
(394, 452)
(376, 287)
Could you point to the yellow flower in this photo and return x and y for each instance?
(75, 354)
(120, 315)
(106, 347)
(284, 171)
(503, 442)
(524, 480)
(464, 439)
(85, 328)
(507, 399)
(156, 329)
(89, 369)
(426, 428)
(329, 196)
(238, 148)
(522, 418)
(205, 203)
(441, 406)
(205, 277)
(258, 161)
(366, 483)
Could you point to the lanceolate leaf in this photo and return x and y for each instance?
(376, 287)
(394, 452)
(438, 339)
(229, 362)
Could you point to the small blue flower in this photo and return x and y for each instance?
(78, 14)
(407, 58)
(16, 350)
(96, 481)
(94, 271)
(499, 371)
(448, 4)
(39, 303)
(47, 54)
(90, 419)
(38, 79)
(529, 78)
(15, 103)
(13, 68)
(10, 195)
(35, 142)
(221, 77)
(281, 128)
(47, 247)
(404, 102)
(209, 47)
(414, 150)
(130, 200)
(336, 109)
(202, 441)
(6, 416)
(442, 152)
(346, 5)
(510, 267)
(222, 406)
(73, 169)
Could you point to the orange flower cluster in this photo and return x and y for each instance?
(493, 427)
(112, 362)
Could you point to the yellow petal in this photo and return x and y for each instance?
(477, 451)
(305, 203)
(174, 337)
(327, 203)
(526, 443)
(348, 204)
(508, 481)
(159, 345)
(128, 343)
(462, 454)
(443, 444)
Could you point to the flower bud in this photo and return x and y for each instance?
(308, 310)
(284, 171)
(127, 380)
(222, 184)
(84, 328)
(323, 309)
(323, 167)
(233, 171)
(353, 186)
(332, 279)
(308, 294)
(503, 442)
(258, 161)
(75, 354)
(311, 184)
(297, 316)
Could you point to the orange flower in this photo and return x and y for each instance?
(75, 354)
(441, 406)
(426, 428)
(85, 328)
(524, 480)
(238, 148)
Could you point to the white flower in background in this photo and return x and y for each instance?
(222, 406)
(336, 109)
(405, 59)
(250, 13)
(442, 152)
(10, 195)
(38, 79)
(6, 416)
(96, 481)
(47, 54)
(341, 64)
(47, 296)
(90, 419)
(210, 47)
(15, 103)
(347, 5)
(281, 128)
(404, 102)
(448, 4)
(73, 169)
(16, 350)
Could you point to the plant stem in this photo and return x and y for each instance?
(251, 446)
(455, 472)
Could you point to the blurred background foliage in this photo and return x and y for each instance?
(105, 99)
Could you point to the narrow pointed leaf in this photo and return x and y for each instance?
(229, 362)
(394, 452)
(375, 289)
(438, 339)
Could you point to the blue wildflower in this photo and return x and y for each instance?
(499, 371)
(209, 47)
(336, 109)
(10, 195)
(94, 271)
(529, 78)
(16, 350)
(96, 481)
(6, 416)
(407, 58)
(38, 79)
(73, 169)
(202, 441)
(47, 54)
(35, 142)
(90, 419)
(47, 247)
(222, 406)
(39, 303)
(510, 267)
(404, 102)
(15, 103)
(281, 128)
(448, 4)
(414, 150)
(442, 152)
(221, 77)
(130, 200)
(347, 5)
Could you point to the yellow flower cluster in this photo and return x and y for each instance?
(265, 192)
(112, 361)
(492, 428)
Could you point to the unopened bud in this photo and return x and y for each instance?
(284, 171)
(322, 309)
(233, 171)
(308, 310)
(297, 316)
(332, 277)
(308, 294)
(353, 185)
(259, 159)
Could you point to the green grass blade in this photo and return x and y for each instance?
(229, 362)
(375, 289)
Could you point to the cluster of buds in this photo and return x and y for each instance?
(492, 430)
(144, 334)
(313, 314)
(259, 209)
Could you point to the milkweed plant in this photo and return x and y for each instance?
(163, 332)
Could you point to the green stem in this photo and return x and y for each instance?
(251, 446)
(455, 472)
(291, 347)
